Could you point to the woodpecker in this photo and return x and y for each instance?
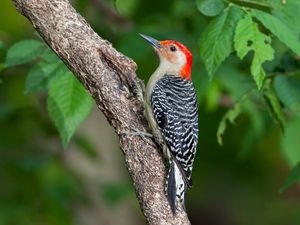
(172, 112)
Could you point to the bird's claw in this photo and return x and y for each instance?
(135, 132)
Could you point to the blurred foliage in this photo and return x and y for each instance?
(68, 102)
(292, 178)
(112, 193)
(45, 191)
(246, 72)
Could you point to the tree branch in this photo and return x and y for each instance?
(110, 78)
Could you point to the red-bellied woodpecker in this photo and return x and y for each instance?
(172, 113)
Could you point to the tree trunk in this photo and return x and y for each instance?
(110, 78)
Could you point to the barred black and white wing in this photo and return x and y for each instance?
(174, 106)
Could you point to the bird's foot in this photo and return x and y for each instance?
(144, 135)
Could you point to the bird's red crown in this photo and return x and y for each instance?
(186, 69)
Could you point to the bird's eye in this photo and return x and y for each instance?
(173, 48)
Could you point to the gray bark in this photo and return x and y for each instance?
(110, 78)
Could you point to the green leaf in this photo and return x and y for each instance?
(68, 105)
(279, 29)
(248, 38)
(274, 104)
(288, 91)
(293, 177)
(210, 7)
(230, 116)
(235, 81)
(256, 4)
(61, 69)
(49, 56)
(23, 52)
(286, 13)
(217, 39)
(38, 76)
(290, 142)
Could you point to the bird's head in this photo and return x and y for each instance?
(174, 57)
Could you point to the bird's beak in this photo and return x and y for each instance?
(152, 41)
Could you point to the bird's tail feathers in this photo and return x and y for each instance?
(176, 187)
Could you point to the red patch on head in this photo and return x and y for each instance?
(185, 71)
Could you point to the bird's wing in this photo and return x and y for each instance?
(175, 109)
